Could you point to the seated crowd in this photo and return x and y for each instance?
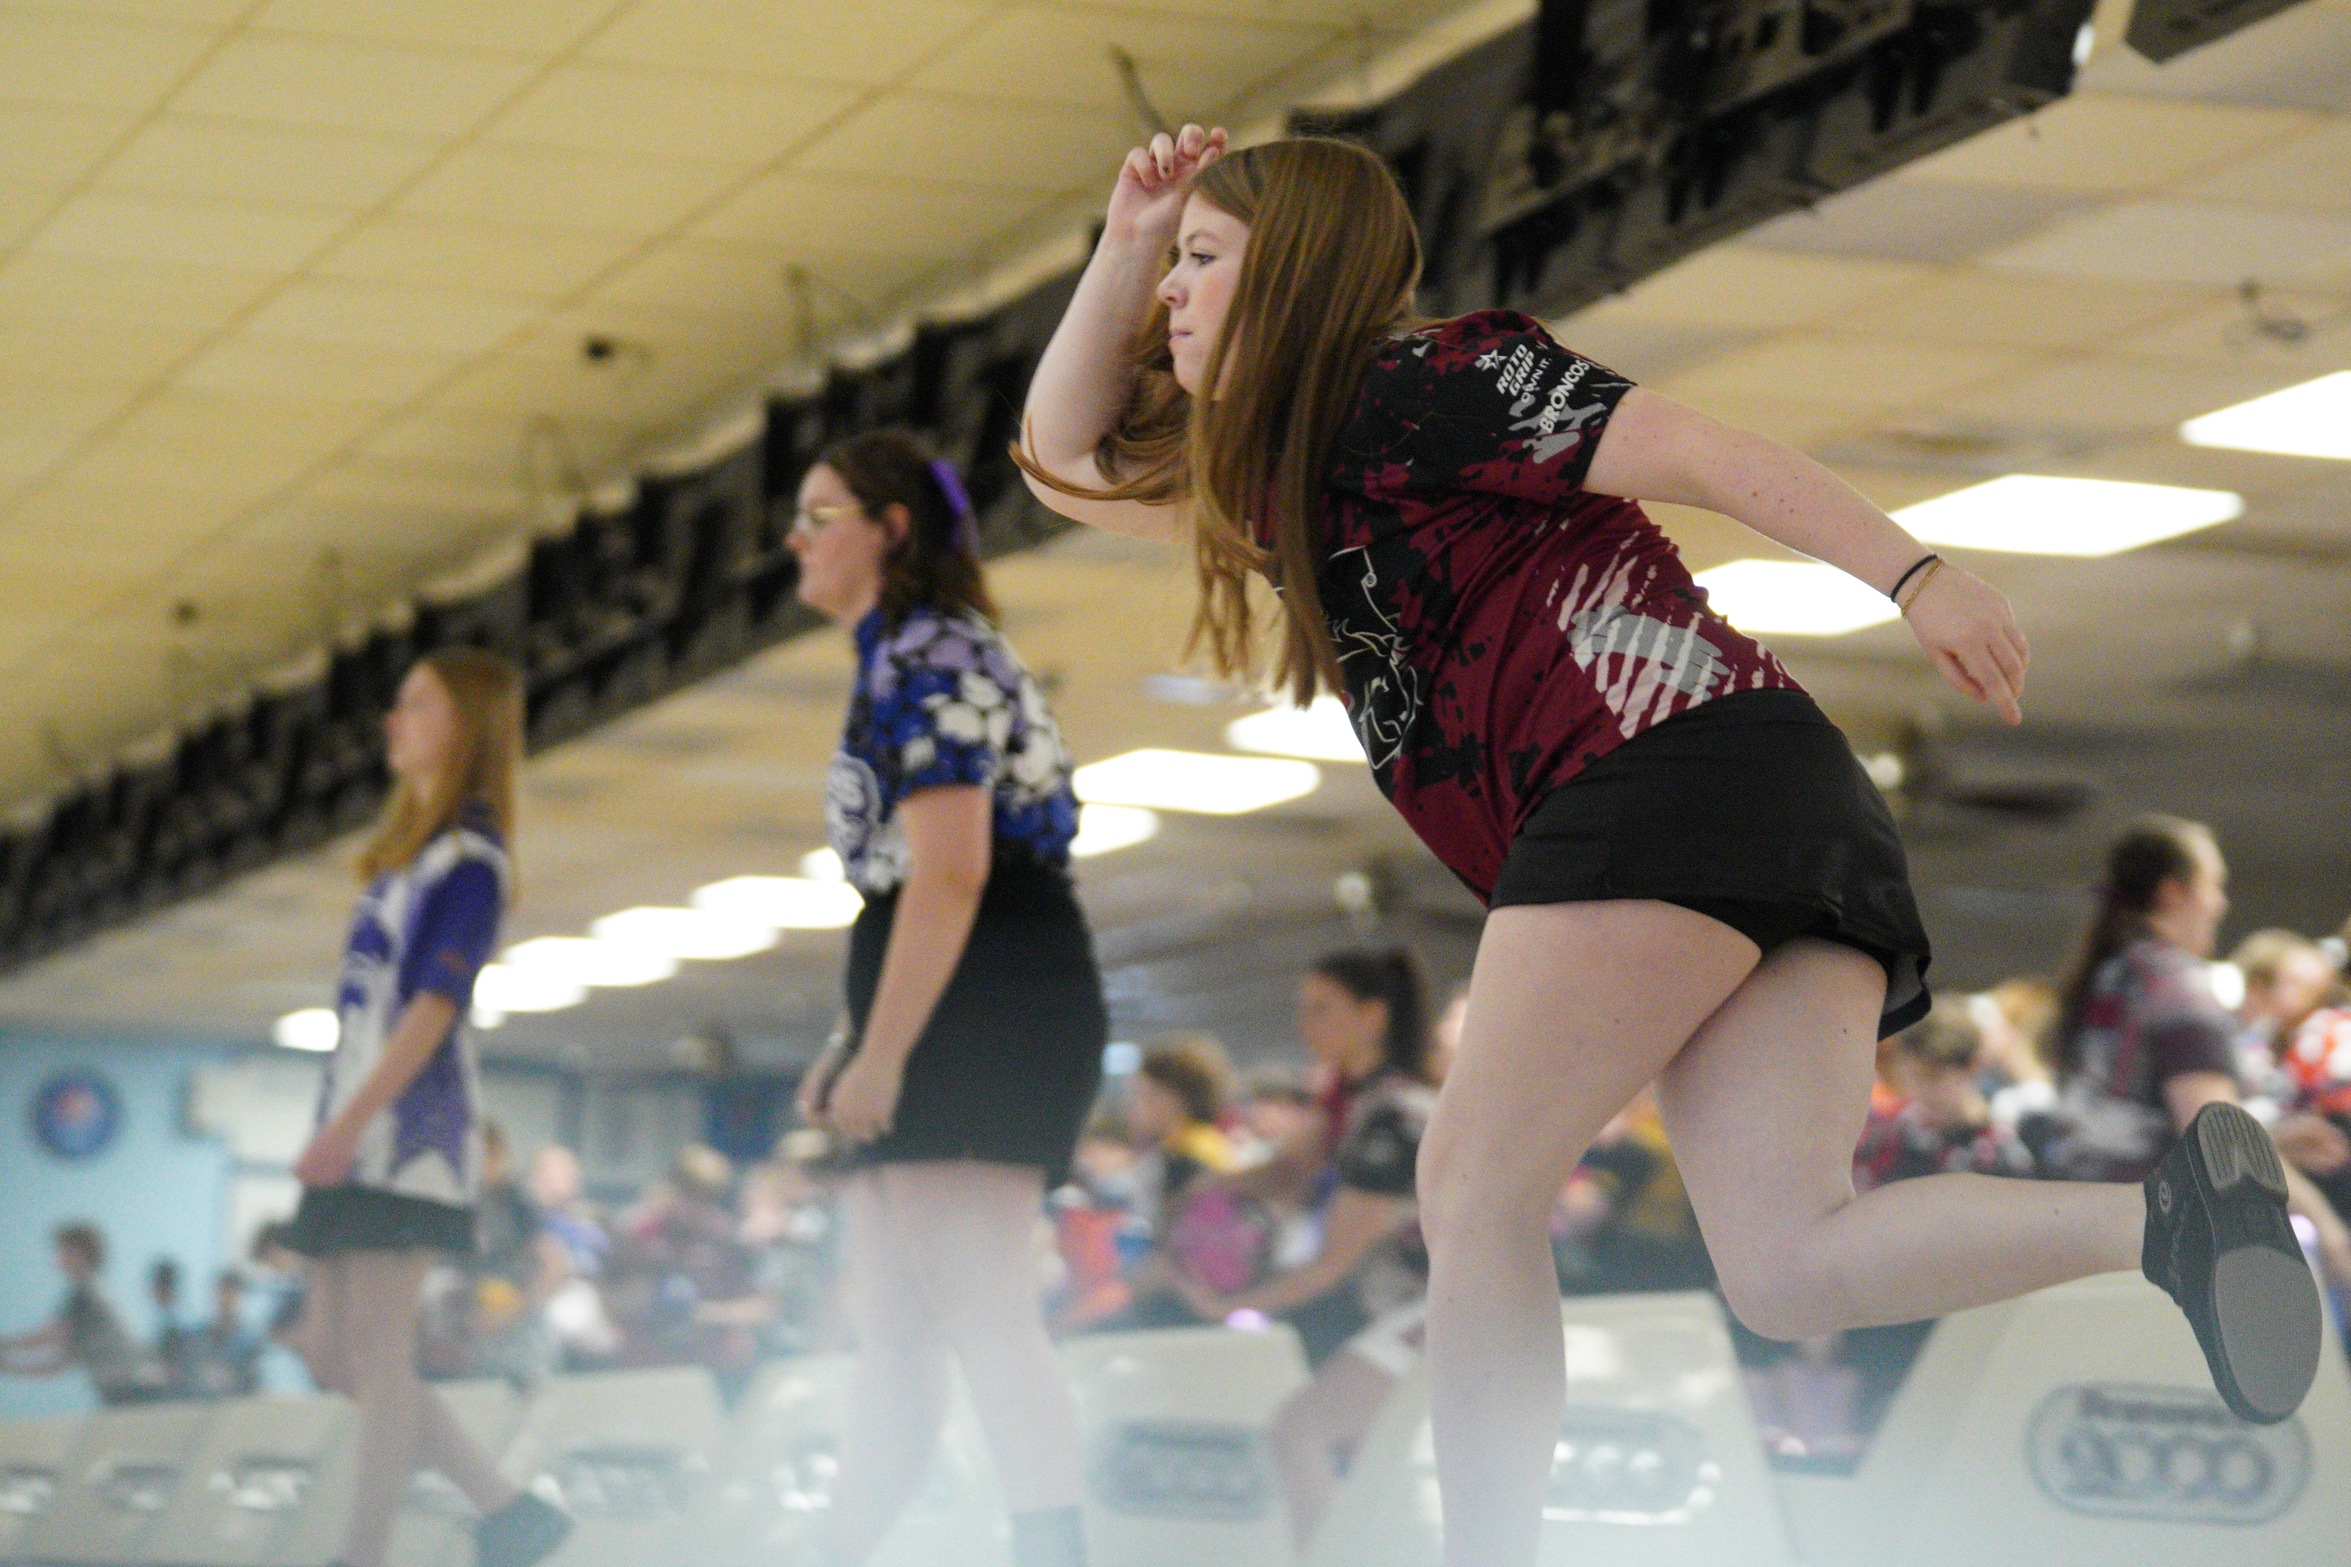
(1201, 1196)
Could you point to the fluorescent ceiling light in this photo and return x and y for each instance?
(782, 902)
(1195, 781)
(501, 987)
(312, 1028)
(1794, 598)
(2033, 514)
(1102, 828)
(823, 865)
(586, 961)
(1322, 732)
(685, 933)
(2310, 420)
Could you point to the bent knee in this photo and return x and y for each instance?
(1780, 1301)
(1467, 1186)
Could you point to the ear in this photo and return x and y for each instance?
(897, 522)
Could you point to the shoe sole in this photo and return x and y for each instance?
(2265, 1307)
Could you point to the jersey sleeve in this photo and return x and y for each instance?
(947, 718)
(455, 930)
(1379, 1153)
(1500, 408)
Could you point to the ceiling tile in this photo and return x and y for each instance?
(87, 511)
(706, 277)
(667, 114)
(867, 44)
(217, 234)
(1190, 66)
(2298, 60)
(431, 252)
(390, 315)
(1018, 146)
(51, 145)
(38, 426)
(180, 156)
(540, 27)
(1841, 370)
(2111, 394)
(342, 372)
(42, 348)
(489, 444)
(795, 209)
(2301, 334)
(154, 290)
(2098, 141)
(1760, 289)
(2307, 171)
(351, 86)
(187, 13)
(572, 191)
(50, 57)
(2017, 309)
(238, 447)
(2187, 242)
(22, 208)
(1917, 220)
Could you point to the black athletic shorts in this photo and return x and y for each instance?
(1750, 809)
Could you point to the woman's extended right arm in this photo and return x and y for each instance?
(1082, 383)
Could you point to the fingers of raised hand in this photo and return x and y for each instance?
(1163, 154)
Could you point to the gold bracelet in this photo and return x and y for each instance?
(1920, 586)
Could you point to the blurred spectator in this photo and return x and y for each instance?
(223, 1355)
(2285, 976)
(1945, 1125)
(1624, 1222)
(2141, 1045)
(1445, 1035)
(790, 1232)
(2316, 1130)
(1174, 1104)
(517, 1266)
(86, 1332)
(583, 1334)
(169, 1350)
(681, 1291)
(1364, 1015)
(2014, 1018)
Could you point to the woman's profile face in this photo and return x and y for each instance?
(420, 732)
(1338, 1028)
(843, 551)
(2198, 904)
(1198, 288)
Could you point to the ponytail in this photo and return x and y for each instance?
(1392, 976)
(2150, 852)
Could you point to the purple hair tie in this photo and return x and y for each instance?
(967, 533)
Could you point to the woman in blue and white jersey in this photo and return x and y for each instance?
(976, 1025)
(391, 1173)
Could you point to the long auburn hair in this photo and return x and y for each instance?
(2151, 851)
(1328, 272)
(937, 565)
(486, 690)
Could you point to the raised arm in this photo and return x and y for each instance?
(1084, 380)
(1654, 449)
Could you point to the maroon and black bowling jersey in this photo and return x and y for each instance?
(1500, 628)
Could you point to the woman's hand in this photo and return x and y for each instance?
(817, 1082)
(1966, 625)
(865, 1097)
(1148, 201)
(328, 1158)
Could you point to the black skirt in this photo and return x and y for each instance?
(1008, 1066)
(1751, 809)
(333, 1219)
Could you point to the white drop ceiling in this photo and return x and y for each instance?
(200, 406)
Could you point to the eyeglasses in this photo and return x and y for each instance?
(808, 519)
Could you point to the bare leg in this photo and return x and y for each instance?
(898, 1395)
(1573, 1007)
(382, 1299)
(319, 1336)
(1317, 1428)
(1764, 1108)
(442, 1445)
(977, 1225)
